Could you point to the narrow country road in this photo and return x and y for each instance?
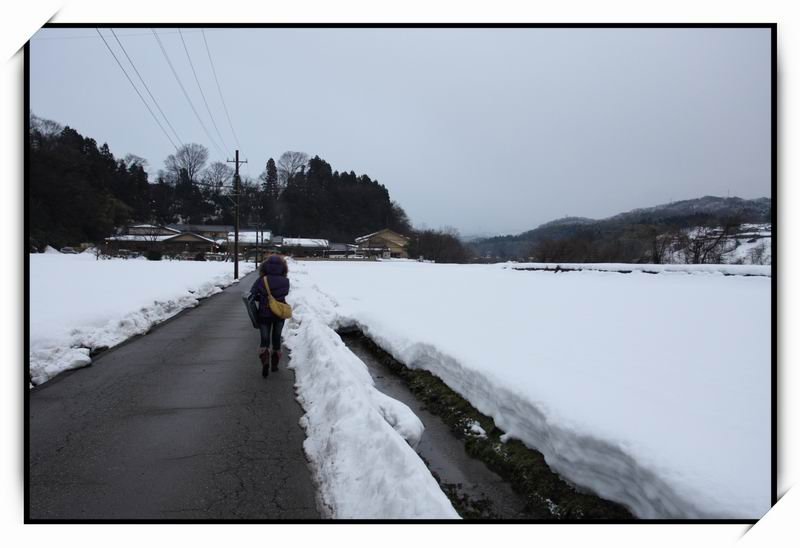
(177, 424)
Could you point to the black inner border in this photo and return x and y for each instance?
(774, 283)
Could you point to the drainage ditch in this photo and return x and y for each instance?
(484, 477)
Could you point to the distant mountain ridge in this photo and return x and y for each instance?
(568, 221)
(755, 210)
(682, 213)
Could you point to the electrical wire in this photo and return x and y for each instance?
(146, 87)
(136, 89)
(219, 89)
(203, 95)
(186, 94)
(87, 36)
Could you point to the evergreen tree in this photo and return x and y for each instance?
(270, 191)
(271, 180)
(74, 187)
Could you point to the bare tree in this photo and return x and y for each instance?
(42, 131)
(439, 246)
(707, 243)
(656, 243)
(191, 157)
(289, 164)
(550, 250)
(218, 174)
(758, 255)
(134, 160)
(47, 128)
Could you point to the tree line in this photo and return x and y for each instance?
(79, 192)
(698, 238)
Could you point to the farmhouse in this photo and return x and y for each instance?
(146, 237)
(386, 243)
(214, 232)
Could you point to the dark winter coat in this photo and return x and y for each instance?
(276, 271)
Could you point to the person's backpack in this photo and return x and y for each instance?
(281, 310)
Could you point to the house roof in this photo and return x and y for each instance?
(249, 237)
(342, 247)
(201, 228)
(156, 227)
(156, 238)
(379, 232)
(192, 234)
(140, 237)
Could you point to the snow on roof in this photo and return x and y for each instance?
(360, 238)
(249, 237)
(155, 238)
(304, 242)
(154, 227)
(368, 236)
(201, 228)
(141, 237)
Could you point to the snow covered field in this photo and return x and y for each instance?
(78, 303)
(726, 269)
(649, 390)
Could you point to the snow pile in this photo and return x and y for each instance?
(649, 390)
(359, 440)
(78, 303)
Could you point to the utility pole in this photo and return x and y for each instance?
(258, 245)
(236, 192)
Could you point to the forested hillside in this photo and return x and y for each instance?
(80, 192)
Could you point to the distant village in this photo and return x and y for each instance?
(217, 242)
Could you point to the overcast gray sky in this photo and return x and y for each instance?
(490, 131)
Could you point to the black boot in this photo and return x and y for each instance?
(275, 358)
(264, 357)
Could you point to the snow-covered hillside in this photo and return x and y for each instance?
(652, 390)
(749, 244)
(752, 245)
(78, 303)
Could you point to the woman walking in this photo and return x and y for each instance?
(274, 270)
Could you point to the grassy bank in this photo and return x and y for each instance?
(546, 493)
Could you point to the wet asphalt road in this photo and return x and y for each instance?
(177, 424)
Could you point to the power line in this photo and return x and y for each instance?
(219, 89)
(145, 86)
(203, 95)
(136, 89)
(185, 93)
(86, 36)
